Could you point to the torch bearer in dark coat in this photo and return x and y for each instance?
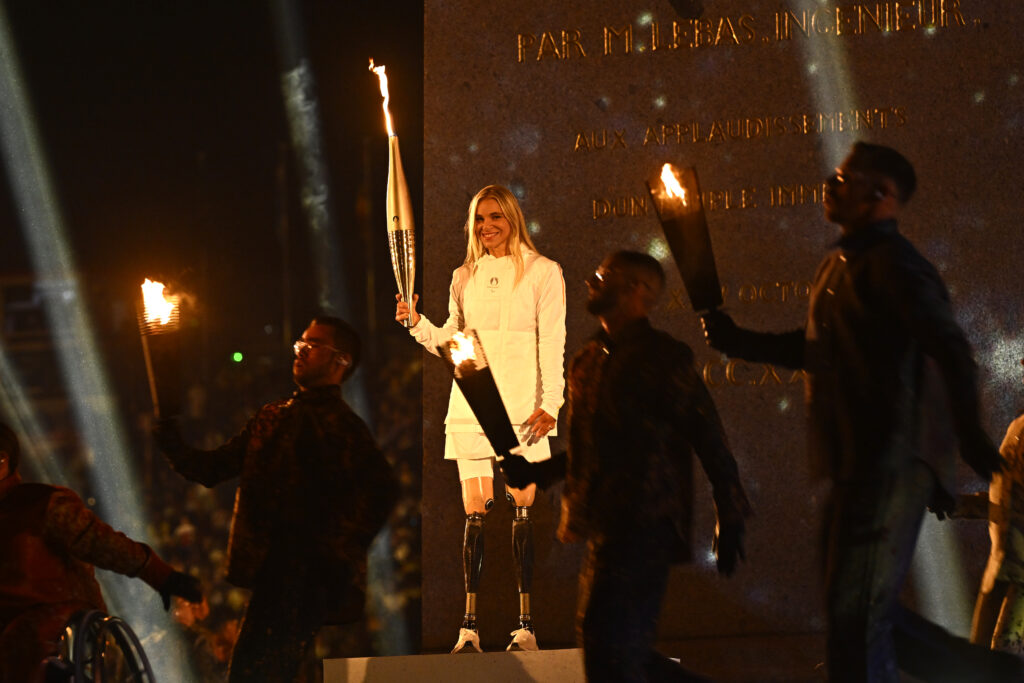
(676, 196)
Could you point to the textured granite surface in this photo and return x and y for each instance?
(573, 105)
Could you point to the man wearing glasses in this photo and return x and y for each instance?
(313, 491)
(880, 347)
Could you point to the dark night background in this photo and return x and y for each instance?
(164, 128)
(167, 141)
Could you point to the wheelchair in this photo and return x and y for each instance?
(98, 648)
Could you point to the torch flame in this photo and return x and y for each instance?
(462, 349)
(157, 307)
(671, 183)
(382, 77)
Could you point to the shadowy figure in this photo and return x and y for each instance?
(638, 411)
(515, 299)
(879, 329)
(49, 543)
(313, 491)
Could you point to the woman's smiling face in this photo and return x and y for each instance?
(492, 227)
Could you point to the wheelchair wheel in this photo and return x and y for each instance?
(98, 648)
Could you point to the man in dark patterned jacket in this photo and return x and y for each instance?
(49, 543)
(637, 413)
(880, 338)
(313, 491)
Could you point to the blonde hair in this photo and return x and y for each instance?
(518, 236)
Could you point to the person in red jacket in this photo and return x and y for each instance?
(49, 543)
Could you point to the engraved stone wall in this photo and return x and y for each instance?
(573, 105)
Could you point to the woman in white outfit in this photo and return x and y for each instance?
(515, 299)
(999, 611)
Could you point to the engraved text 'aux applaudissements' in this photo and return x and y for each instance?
(740, 128)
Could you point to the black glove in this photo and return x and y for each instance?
(168, 435)
(518, 471)
(183, 585)
(942, 504)
(728, 546)
(721, 332)
(980, 453)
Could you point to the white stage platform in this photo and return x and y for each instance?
(563, 666)
(756, 659)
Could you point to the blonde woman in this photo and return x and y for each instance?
(515, 299)
(999, 611)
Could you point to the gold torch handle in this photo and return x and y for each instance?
(401, 235)
(402, 244)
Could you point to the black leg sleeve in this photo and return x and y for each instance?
(473, 551)
(522, 547)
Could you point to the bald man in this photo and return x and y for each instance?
(638, 411)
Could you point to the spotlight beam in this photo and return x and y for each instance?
(95, 415)
(15, 406)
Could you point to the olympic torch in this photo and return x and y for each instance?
(676, 196)
(159, 317)
(401, 236)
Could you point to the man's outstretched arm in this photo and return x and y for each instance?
(519, 472)
(722, 333)
(703, 427)
(209, 468)
(72, 527)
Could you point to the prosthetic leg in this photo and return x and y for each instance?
(522, 552)
(472, 564)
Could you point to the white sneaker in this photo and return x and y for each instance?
(522, 639)
(469, 640)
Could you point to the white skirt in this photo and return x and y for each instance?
(475, 446)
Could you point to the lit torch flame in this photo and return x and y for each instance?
(156, 307)
(671, 183)
(462, 349)
(382, 77)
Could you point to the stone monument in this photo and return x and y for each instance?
(574, 105)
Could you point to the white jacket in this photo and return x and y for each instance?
(1006, 513)
(521, 327)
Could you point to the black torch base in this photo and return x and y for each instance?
(475, 381)
(482, 395)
